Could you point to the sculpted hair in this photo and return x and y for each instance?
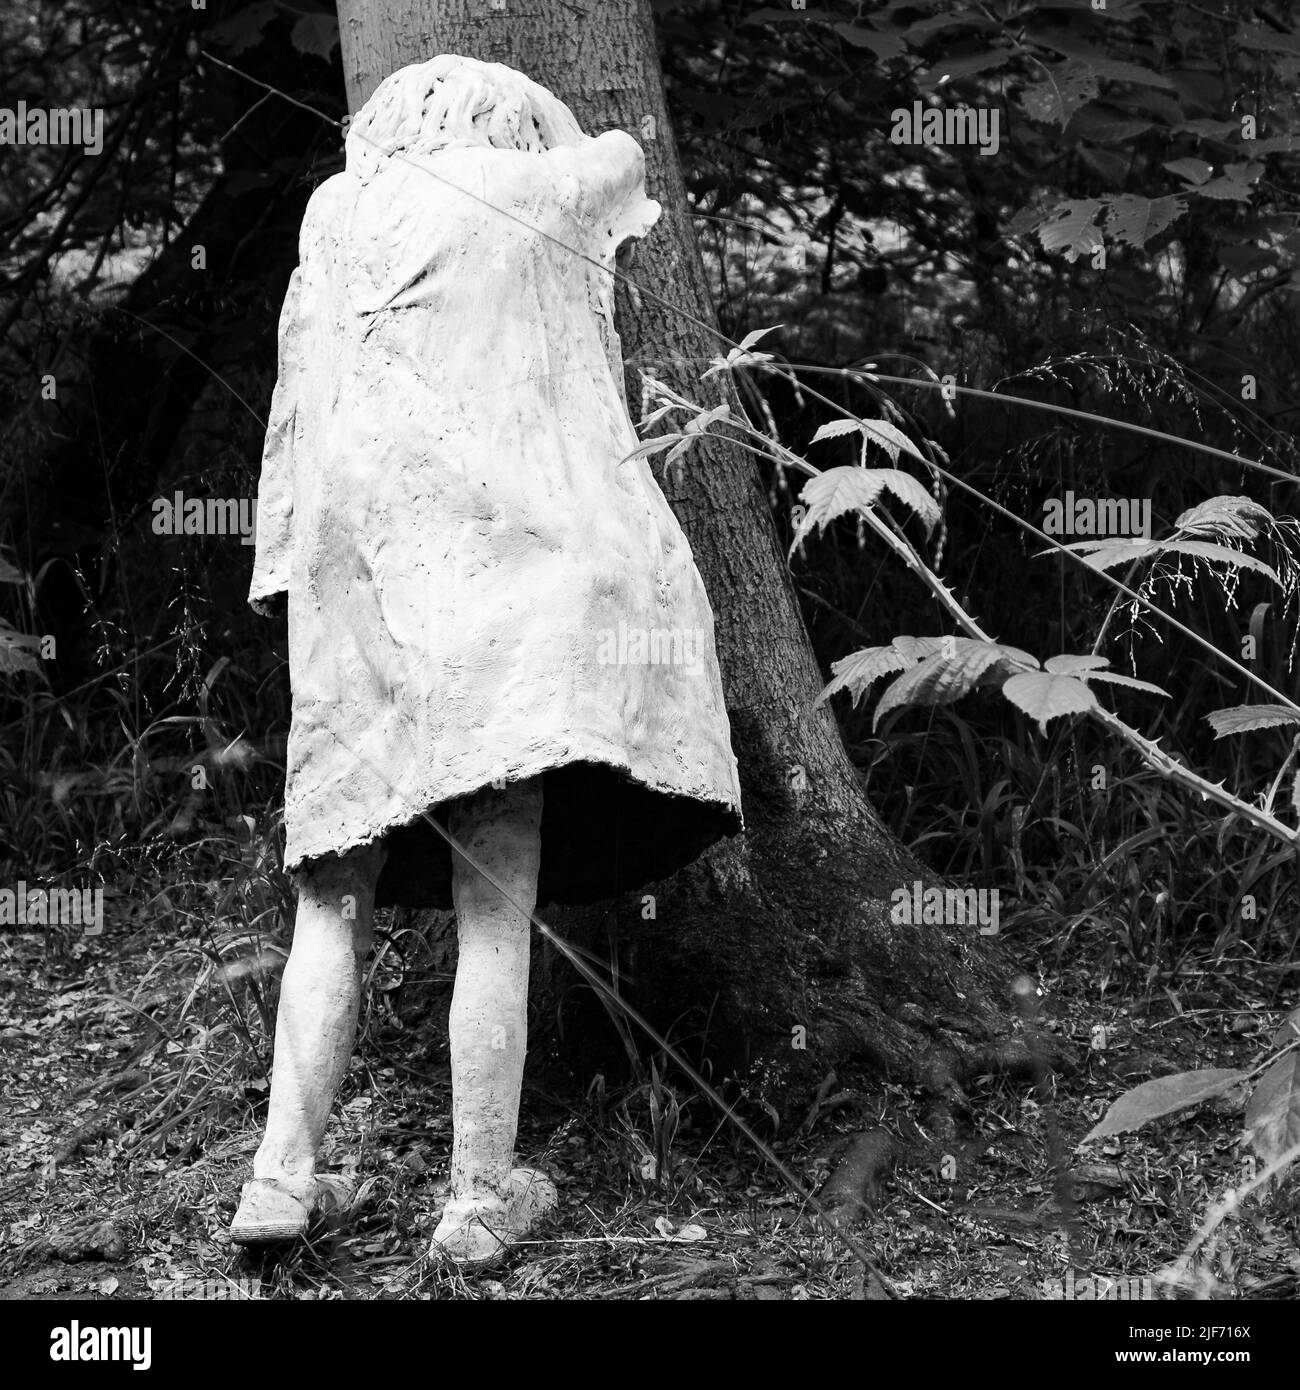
(451, 101)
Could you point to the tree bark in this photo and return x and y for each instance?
(787, 928)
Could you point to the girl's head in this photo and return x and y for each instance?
(456, 101)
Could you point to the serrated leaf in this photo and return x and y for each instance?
(1224, 189)
(1134, 221)
(891, 439)
(1241, 719)
(316, 34)
(948, 673)
(1071, 229)
(1111, 69)
(888, 436)
(1065, 665)
(1273, 1115)
(1220, 555)
(1068, 86)
(849, 488)
(833, 429)
(1104, 555)
(1238, 518)
(1153, 1100)
(1114, 678)
(858, 672)
(1044, 696)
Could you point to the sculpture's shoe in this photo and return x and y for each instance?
(276, 1209)
(476, 1231)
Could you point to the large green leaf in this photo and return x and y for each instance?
(1273, 1115)
(1152, 1100)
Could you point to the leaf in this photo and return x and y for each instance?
(316, 34)
(1236, 518)
(858, 672)
(950, 672)
(1220, 555)
(1273, 1115)
(1105, 124)
(1134, 221)
(652, 446)
(1227, 189)
(17, 650)
(849, 488)
(1152, 1100)
(750, 339)
(740, 356)
(1242, 719)
(1251, 36)
(1116, 679)
(833, 429)
(1068, 665)
(884, 46)
(1090, 668)
(1192, 170)
(1205, 129)
(964, 65)
(1111, 69)
(891, 439)
(1121, 550)
(1067, 87)
(1045, 696)
(1246, 260)
(243, 29)
(1275, 144)
(1288, 1030)
(1070, 228)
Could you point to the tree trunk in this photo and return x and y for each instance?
(776, 951)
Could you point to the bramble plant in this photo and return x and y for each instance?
(940, 670)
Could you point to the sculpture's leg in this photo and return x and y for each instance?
(491, 1203)
(314, 1034)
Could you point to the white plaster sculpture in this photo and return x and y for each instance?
(494, 617)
